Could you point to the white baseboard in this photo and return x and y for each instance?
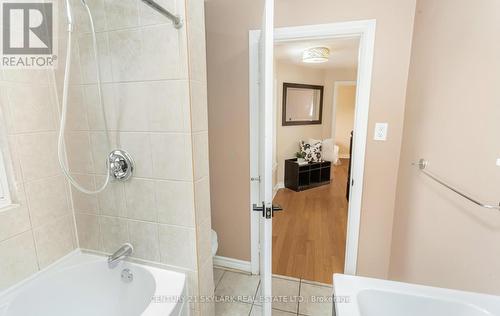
(231, 263)
(279, 185)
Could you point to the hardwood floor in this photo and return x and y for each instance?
(309, 235)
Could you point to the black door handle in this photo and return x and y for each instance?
(267, 212)
(277, 208)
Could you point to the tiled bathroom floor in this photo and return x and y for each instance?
(236, 292)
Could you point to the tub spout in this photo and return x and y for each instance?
(124, 251)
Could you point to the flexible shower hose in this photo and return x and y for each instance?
(61, 148)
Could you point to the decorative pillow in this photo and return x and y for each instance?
(329, 151)
(312, 151)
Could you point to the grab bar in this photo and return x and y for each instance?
(422, 165)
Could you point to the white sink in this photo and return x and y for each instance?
(358, 296)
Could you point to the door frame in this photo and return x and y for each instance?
(365, 30)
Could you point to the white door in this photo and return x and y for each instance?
(266, 59)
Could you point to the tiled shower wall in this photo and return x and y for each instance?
(39, 228)
(154, 92)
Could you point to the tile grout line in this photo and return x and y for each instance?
(300, 288)
(218, 282)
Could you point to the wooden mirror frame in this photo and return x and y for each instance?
(287, 85)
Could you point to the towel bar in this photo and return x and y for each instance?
(422, 165)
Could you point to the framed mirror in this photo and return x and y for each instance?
(302, 104)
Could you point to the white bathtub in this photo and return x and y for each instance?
(83, 285)
(358, 296)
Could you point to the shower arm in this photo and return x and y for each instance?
(176, 19)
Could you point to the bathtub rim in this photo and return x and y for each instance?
(351, 286)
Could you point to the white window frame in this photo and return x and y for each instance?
(5, 197)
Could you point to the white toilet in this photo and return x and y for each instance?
(215, 243)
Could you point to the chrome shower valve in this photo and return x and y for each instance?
(121, 165)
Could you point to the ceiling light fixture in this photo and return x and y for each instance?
(316, 55)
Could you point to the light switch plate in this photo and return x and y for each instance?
(380, 131)
(498, 162)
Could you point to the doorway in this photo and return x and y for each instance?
(364, 31)
(314, 122)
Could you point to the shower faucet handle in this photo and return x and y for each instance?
(121, 165)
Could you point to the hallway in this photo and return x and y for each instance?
(309, 236)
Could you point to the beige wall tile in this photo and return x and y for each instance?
(172, 158)
(38, 155)
(88, 230)
(30, 107)
(54, 240)
(161, 106)
(17, 259)
(169, 106)
(144, 238)
(122, 13)
(94, 107)
(114, 232)
(100, 150)
(202, 200)
(81, 18)
(139, 147)
(79, 152)
(13, 221)
(200, 155)
(195, 13)
(112, 199)
(26, 76)
(178, 246)
(85, 203)
(159, 45)
(199, 114)
(197, 62)
(206, 285)
(134, 99)
(87, 58)
(140, 197)
(77, 114)
(47, 200)
(204, 241)
(175, 203)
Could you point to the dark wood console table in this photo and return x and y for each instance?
(303, 177)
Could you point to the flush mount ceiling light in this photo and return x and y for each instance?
(316, 55)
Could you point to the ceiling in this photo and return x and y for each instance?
(343, 52)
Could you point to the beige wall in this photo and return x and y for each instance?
(345, 102)
(288, 137)
(228, 23)
(451, 119)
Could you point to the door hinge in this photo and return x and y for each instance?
(267, 212)
(256, 179)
